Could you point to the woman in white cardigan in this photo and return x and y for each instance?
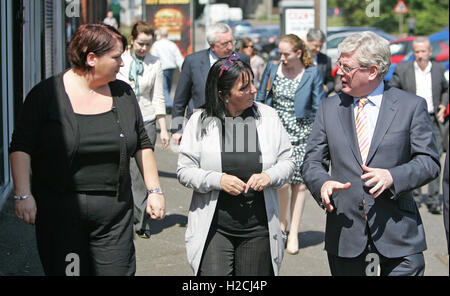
(144, 74)
(234, 154)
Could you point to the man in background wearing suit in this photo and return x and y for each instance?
(425, 79)
(380, 142)
(314, 41)
(190, 90)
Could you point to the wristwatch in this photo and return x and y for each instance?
(21, 197)
(155, 190)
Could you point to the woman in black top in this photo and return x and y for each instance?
(234, 154)
(76, 134)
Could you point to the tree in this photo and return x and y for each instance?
(431, 15)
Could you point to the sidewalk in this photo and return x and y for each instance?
(164, 254)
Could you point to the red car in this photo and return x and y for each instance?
(400, 48)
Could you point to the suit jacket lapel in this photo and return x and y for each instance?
(306, 76)
(412, 78)
(435, 80)
(205, 64)
(388, 109)
(347, 117)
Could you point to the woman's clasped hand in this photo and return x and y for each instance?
(235, 186)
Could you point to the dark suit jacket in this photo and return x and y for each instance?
(324, 65)
(404, 78)
(446, 198)
(403, 142)
(190, 90)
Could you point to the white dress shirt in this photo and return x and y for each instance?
(212, 58)
(372, 108)
(423, 85)
(168, 53)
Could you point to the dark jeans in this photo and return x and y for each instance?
(225, 255)
(141, 218)
(86, 234)
(168, 78)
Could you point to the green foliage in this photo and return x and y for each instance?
(431, 15)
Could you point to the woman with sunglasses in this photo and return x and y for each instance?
(256, 62)
(294, 87)
(234, 154)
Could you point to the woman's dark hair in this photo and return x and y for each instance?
(218, 89)
(95, 38)
(142, 27)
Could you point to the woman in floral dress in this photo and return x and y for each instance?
(294, 87)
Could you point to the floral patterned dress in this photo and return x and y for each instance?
(298, 129)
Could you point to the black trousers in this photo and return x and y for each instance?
(366, 264)
(86, 234)
(225, 255)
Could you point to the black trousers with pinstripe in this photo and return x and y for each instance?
(225, 255)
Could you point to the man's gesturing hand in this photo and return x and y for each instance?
(327, 190)
(381, 177)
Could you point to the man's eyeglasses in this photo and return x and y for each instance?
(346, 69)
(225, 44)
(228, 63)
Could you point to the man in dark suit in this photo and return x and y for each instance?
(190, 90)
(425, 79)
(314, 41)
(446, 197)
(380, 142)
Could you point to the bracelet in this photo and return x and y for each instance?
(155, 190)
(21, 197)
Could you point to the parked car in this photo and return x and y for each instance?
(400, 48)
(336, 30)
(240, 28)
(335, 39)
(439, 46)
(265, 39)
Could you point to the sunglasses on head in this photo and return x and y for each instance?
(228, 63)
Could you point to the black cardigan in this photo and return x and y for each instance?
(47, 130)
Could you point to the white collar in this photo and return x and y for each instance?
(427, 68)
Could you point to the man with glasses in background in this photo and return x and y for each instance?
(315, 39)
(190, 90)
(380, 142)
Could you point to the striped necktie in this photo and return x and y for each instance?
(362, 129)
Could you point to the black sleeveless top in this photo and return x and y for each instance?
(96, 163)
(243, 215)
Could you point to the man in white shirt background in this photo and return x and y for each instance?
(171, 58)
(426, 79)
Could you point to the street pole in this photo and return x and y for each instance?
(400, 24)
(269, 10)
(317, 14)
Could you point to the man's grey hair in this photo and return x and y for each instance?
(370, 48)
(315, 34)
(164, 32)
(214, 29)
(422, 39)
